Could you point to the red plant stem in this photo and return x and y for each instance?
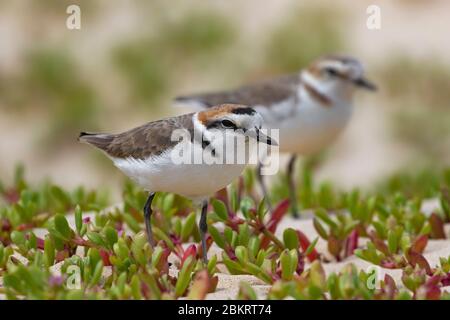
(81, 242)
(304, 244)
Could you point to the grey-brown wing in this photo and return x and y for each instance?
(264, 93)
(150, 139)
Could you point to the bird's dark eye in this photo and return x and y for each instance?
(331, 71)
(228, 124)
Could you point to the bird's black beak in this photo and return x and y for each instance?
(261, 137)
(365, 84)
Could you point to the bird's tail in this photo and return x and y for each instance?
(99, 140)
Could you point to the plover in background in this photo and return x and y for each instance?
(146, 154)
(310, 108)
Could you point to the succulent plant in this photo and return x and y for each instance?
(56, 244)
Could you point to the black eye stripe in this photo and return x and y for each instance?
(245, 110)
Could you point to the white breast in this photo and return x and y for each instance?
(306, 127)
(191, 180)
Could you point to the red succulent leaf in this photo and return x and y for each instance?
(234, 221)
(61, 255)
(433, 293)
(301, 263)
(415, 258)
(105, 257)
(200, 286)
(230, 252)
(437, 227)
(5, 225)
(213, 284)
(40, 243)
(265, 241)
(190, 251)
(434, 280)
(25, 226)
(11, 196)
(334, 247)
(304, 244)
(432, 290)
(379, 244)
(390, 286)
(87, 220)
(277, 215)
(445, 281)
(163, 264)
(389, 264)
(351, 243)
(209, 242)
(420, 243)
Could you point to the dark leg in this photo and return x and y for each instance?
(147, 218)
(292, 193)
(263, 186)
(203, 226)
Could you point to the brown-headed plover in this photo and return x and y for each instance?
(150, 154)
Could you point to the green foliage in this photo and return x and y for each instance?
(291, 46)
(53, 83)
(426, 100)
(141, 65)
(147, 62)
(198, 33)
(104, 254)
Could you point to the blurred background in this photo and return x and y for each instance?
(132, 56)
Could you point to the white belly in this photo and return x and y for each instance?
(306, 128)
(189, 180)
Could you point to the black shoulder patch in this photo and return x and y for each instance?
(249, 111)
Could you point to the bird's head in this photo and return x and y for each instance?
(234, 121)
(337, 76)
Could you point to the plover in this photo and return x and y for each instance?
(148, 154)
(310, 107)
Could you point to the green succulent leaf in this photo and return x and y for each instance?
(184, 276)
(290, 239)
(220, 209)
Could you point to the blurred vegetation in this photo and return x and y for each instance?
(419, 81)
(304, 35)
(144, 70)
(422, 182)
(50, 84)
(419, 99)
(147, 63)
(55, 87)
(198, 34)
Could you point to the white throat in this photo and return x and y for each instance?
(339, 92)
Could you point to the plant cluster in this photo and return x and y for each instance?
(56, 244)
